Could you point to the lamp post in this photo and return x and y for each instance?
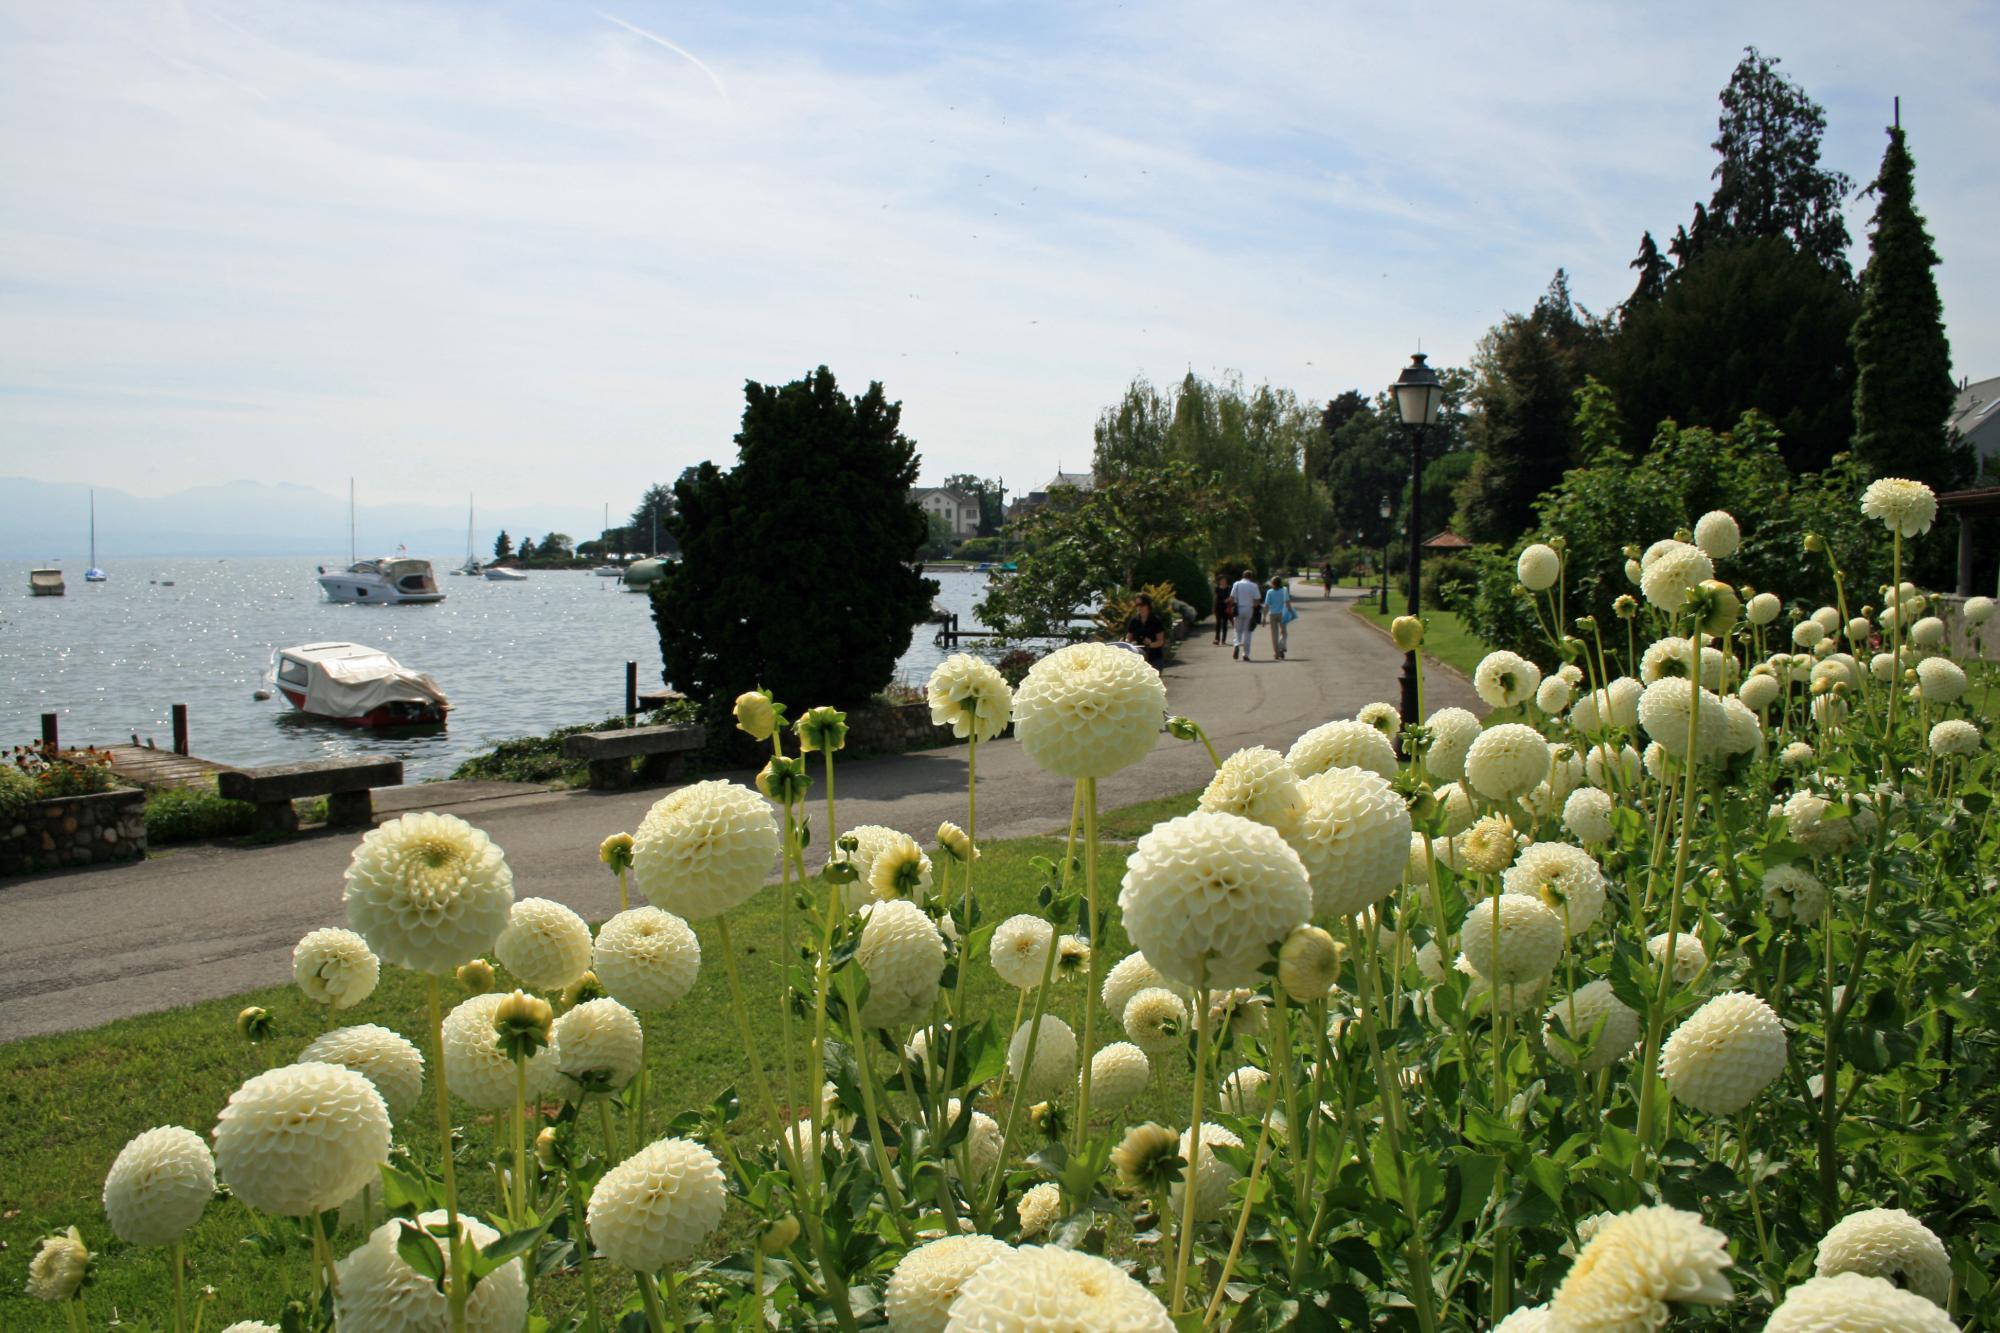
(1385, 511)
(1419, 395)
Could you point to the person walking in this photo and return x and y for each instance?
(1225, 607)
(1326, 579)
(1248, 599)
(1278, 611)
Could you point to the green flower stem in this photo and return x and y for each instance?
(178, 1258)
(1197, 1141)
(604, 1123)
(1895, 599)
(455, 1251)
(1280, 1057)
(520, 1210)
(644, 1077)
(1418, 1260)
(742, 1011)
(649, 1295)
(321, 1249)
(1836, 1019)
(830, 1273)
(1242, 1223)
(1093, 962)
(785, 904)
(992, 1190)
(624, 893)
(864, 1063)
(964, 923)
(580, 1236)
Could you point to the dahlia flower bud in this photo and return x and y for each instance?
(387, 1059)
(1089, 710)
(521, 1024)
(581, 991)
(158, 1186)
(335, 968)
(1856, 1303)
(1183, 728)
(1538, 567)
(1308, 964)
(657, 1206)
(58, 1268)
(755, 715)
(956, 843)
(545, 944)
(476, 976)
(1727, 1052)
(428, 891)
(1888, 1243)
(1407, 633)
(777, 1235)
(970, 696)
(1814, 543)
(927, 1280)
(705, 848)
(1904, 507)
(1524, 944)
(784, 779)
(822, 728)
(546, 1144)
(616, 852)
(1148, 1157)
(301, 1139)
(379, 1290)
(476, 1069)
(1014, 1292)
(253, 1022)
(1208, 898)
(1624, 606)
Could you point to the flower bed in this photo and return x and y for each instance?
(100, 828)
(1662, 997)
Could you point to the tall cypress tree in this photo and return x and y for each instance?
(1903, 392)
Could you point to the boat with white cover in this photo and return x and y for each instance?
(502, 574)
(47, 582)
(393, 579)
(357, 686)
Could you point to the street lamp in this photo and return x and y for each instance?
(1385, 511)
(1419, 395)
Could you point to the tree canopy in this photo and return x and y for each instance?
(1769, 182)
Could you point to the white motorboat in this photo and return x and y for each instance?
(502, 574)
(357, 686)
(47, 582)
(609, 571)
(391, 579)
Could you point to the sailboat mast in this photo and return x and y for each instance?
(93, 528)
(350, 522)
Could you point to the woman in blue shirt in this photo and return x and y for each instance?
(1278, 613)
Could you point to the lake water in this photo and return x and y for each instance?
(516, 658)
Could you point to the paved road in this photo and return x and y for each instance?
(79, 949)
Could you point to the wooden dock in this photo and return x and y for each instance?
(147, 767)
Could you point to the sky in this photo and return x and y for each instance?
(537, 249)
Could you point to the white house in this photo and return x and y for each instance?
(1976, 416)
(956, 508)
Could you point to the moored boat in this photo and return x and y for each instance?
(357, 686)
(47, 582)
(391, 579)
(502, 574)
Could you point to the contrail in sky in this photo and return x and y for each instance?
(658, 40)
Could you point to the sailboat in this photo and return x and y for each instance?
(609, 570)
(471, 565)
(93, 574)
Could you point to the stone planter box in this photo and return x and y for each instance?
(99, 829)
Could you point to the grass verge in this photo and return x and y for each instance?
(1446, 639)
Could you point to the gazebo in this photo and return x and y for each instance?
(1447, 541)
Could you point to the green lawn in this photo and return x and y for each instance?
(68, 1103)
(1446, 639)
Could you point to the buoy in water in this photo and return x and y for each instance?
(260, 695)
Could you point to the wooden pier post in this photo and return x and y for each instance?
(180, 729)
(49, 737)
(631, 691)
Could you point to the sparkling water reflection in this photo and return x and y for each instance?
(516, 658)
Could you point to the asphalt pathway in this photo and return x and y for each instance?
(81, 948)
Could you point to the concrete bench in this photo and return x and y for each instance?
(344, 782)
(610, 754)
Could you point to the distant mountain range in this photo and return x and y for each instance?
(42, 520)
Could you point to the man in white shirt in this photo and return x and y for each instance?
(1248, 595)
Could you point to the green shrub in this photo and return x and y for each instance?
(17, 791)
(190, 814)
(979, 548)
(1181, 570)
(1448, 582)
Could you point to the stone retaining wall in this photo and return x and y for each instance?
(894, 729)
(99, 829)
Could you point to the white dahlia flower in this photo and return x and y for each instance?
(1487, 848)
(1594, 1017)
(1726, 1053)
(1212, 1175)
(1636, 1265)
(1452, 732)
(1816, 825)
(1940, 680)
(1039, 1208)
(1353, 839)
(899, 870)
(970, 696)
(1905, 507)
(1043, 1289)
(1763, 608)
(1088, 710)
(1977, 611)
(1155, 1019)
(1690, 956)
(1538, 567)
(1670, 657)
(1620, 702)
(1828, 618)
(1456, 803)
(1859, 630)
(1807, 633)
(1791, 892)
(598, 1044)
(1673, 574)
(1856, 1303)
(902, 955)
(1527, 943)
(1609, 766)
(1507, 999)
(1507, 761)
(646, 958)
(1663, 712)
(301, 1139)
(1055, 1058)
(1759, 692)
(1746, 729)
(335, 968)
(1385, 718)
(428, 892)
(1118, 1074)
(1882, 666)
(1587, 815)
(983, 1143)
(928, 1278)
(1928, 633)
(1888, 1243)
(1504, 679)
(1342, 744)
(1566, 879)
(387, 1059)
(1954, 737)
(1020, 950)
(1717, 535)
(1209, 898)
(158, 1186)
(657, 1206)
(1527, 1319)
(379, 1291)
(1259, 785)
(545, 944)
(1131, 975)
(1553, 696)
(59, 1266)
(476, 1070)
(1798, 754)
(1245, 1092)
(705, 849)
(1430, 962)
